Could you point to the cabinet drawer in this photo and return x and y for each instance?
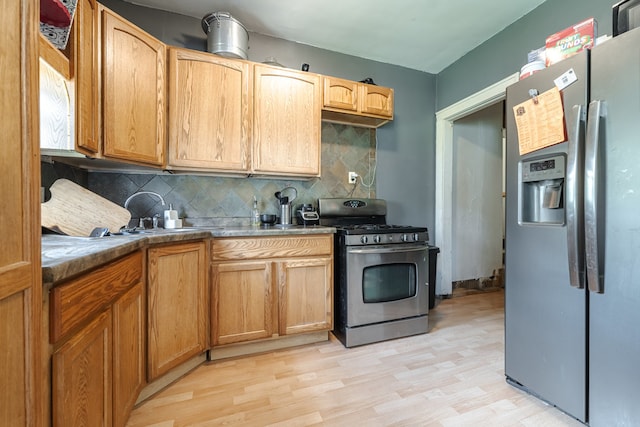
(77, 301)
(271, 247)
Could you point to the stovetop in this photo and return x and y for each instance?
(363, 222)
(378, 229)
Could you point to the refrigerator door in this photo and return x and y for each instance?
(545, 317)
(614, 317)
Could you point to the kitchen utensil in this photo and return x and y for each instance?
(285, 204)
(226, 36)
(268, 219)
(76, 211)
(99, 232)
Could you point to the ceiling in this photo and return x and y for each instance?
(425, 35)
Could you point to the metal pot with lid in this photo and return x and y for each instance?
(226, 36)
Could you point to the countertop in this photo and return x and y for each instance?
(66, 256)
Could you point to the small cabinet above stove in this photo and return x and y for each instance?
(356, 103)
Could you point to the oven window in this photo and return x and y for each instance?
(388, 282)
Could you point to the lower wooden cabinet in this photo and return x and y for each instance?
(242, 301)
(97, 331)
(305, 288)
(176, 302)
(82, 376)
(129, 352)
(264, 287)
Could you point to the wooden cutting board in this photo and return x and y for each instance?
(76, 211)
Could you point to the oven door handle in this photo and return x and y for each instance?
(387, 250)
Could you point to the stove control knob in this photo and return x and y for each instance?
(415, 237)
(364, 239)
(376, 238)
(405, 238)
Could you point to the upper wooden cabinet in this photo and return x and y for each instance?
(209, 112)
(349, 102)
(76, 78)
(134, 96)
(286, 122)
(202, 112)
(21, 370)
(84, 63)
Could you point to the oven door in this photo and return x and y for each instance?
(386, 282)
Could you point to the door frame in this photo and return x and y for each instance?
(444, 170)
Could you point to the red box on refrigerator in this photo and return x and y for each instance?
(570, 41)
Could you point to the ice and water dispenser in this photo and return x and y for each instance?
(541, 184)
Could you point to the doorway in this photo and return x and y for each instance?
(477, 201)
(444, 176)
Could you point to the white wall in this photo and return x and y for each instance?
(477, 194)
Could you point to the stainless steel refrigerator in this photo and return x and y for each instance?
(572, 289)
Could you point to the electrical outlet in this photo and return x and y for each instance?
(352, 177)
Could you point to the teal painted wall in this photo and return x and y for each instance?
(506, 52)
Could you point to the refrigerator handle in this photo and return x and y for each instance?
(573, 193)
(595, 269)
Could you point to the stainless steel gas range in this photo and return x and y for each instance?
(381, 272)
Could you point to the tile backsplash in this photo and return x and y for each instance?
(220, 200)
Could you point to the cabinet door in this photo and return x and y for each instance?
(376, 100)
(129, 355)
(133, 73)
(20, 275)
(176, 304)
(82, 377)
(242, 303)
(209, 112)
(287, 107)
(85, 68)
(305, 295)
(341, 94)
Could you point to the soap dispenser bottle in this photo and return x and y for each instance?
(255, 213)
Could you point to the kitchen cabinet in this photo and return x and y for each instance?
(243, 297)
(97, 332)
(286, 122)
(305, 289)
(209, 112)
(84, 63)
(264, 287)
(355, 103)
(177, 298)
(74, 87)
(21, 382)
(134, 92)
(129, 352)
(53, 56)
(82, 377)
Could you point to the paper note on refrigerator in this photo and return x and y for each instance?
(540, 121)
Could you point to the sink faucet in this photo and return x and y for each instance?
(126, 202)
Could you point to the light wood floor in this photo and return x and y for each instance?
(451, 376)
